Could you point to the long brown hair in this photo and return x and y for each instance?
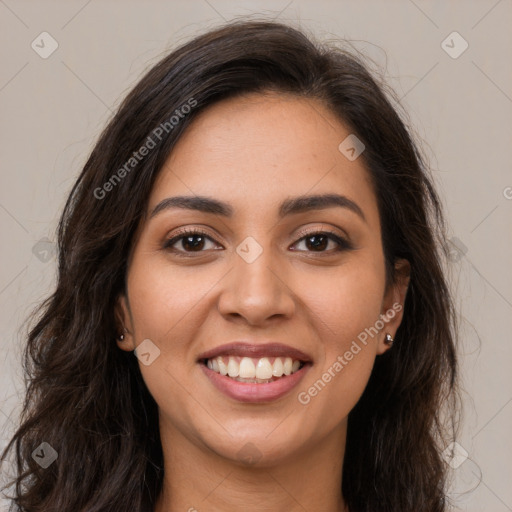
(86, 398)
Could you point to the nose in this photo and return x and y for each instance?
(257, 291)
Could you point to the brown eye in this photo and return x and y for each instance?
(197, 241)
(319, 242)
(192, 241)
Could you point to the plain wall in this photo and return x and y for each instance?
(53, 109)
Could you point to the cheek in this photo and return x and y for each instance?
(344, 308)
(167, 309)
(165, 301)
(333, 390)
(345, 303)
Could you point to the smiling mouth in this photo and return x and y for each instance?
(254, 370)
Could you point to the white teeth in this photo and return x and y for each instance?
(247, 369)
(264, 369)
(253, 381)
(277, 369)
(287, 366)
(233, 368)
(223, 369)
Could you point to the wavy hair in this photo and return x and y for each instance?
(87, 399)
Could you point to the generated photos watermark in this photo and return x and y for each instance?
(304, 397)
(151, 142)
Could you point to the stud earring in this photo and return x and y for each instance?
(389, 340)
(121, 336)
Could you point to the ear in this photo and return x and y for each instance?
(124, 324)
(393, 303)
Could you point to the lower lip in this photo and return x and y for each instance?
(255, 393)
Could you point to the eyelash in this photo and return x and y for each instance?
(343, 244)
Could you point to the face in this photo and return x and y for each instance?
(268, 275)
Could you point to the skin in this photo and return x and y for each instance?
(254, 152)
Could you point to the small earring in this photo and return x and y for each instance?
(121, 336)
(389, 340)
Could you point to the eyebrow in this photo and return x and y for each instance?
(290, 206)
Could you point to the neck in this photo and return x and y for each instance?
(197, 479)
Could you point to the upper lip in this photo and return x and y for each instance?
(259, 350)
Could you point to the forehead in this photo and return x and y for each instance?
(255, 150)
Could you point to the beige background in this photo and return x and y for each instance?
(53, 109)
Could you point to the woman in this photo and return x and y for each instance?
(257, 227)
